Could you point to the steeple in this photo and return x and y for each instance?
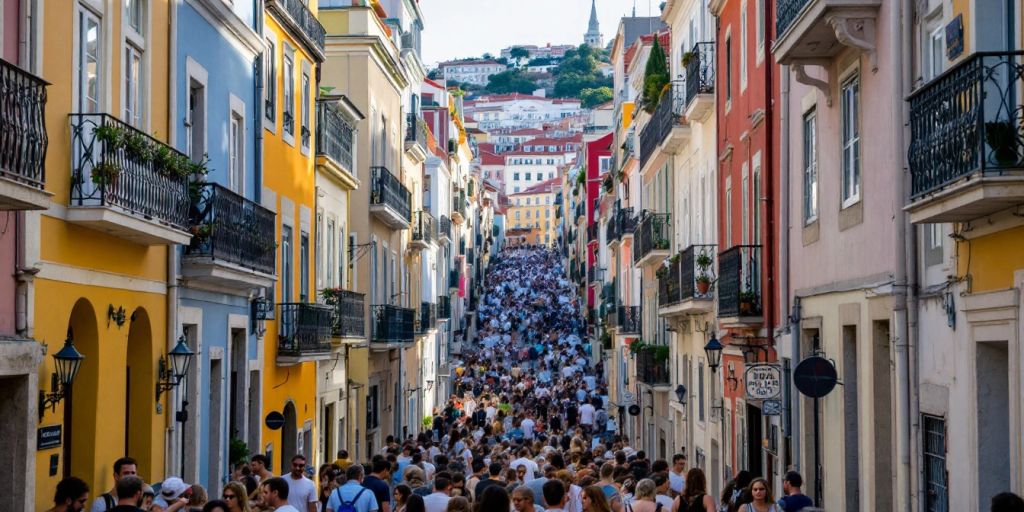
(593, 36)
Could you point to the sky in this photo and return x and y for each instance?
(470, 28)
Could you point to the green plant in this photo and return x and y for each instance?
(748, 297)
(238, 451)
(661, 353)
(638, 346)
(661, 243)
(703, 261)
(138, 148)
(1001, 136)
(688, 57)
(105, 173)
(661, 272)
(113, 137)
(656, 77)
(428, 421)
(675, 258)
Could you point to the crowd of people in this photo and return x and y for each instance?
(527, 429)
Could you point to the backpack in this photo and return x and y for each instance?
(108, 500)
(349, 506)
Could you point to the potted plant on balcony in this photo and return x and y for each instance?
(137, 148)
(687, 58)
(661, 353)
(105, 174)
(1002, 136)
(201, 233)
(637, 346)
(746, 302)
(703, 279)
(112, 137)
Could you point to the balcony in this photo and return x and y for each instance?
(416, 137)
(444, 230)
(815, 31)
(651, 239)
(304, 333)
(334, 138)
(453, 279)
(627, 319)
(686, 286)
(739, 287)
(700, 81)
(389, 199)
(966, 151)
(392, 325)
(233, 243)
(349, 318)
(298, 19)
(611, 230)
(444, 307)
(667, 129)
(423, 230)
(426, 320)
(652, 369)
(126, 183)
(458, 206)
(627, 223)
(23, 140)
(592, 230)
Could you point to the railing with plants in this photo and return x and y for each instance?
(388, 191)
(651, 234)
(23, 139)
(228, 227)
(427, 318)
(349, 312)
(459, 202)
(444, 228)
(611, 229)
(786, 12)
(967, 120)
(415, 129)
(444, 307)
(739, 281)
(114, 164)
(627, 319)
(392, 324)
(669, 110)
(700, 70)
(423, 229)
(334, 135)
(627, 222)
(689, 275)
(303, 19)
(651, 362)
(304, 328)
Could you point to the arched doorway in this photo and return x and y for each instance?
(289, 437)
(139, 389)
(81, 399)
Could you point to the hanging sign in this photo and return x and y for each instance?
(763, 381)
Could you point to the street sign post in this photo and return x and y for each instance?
(771, 407)
(816, 377)
(274, 420)
(763, 381)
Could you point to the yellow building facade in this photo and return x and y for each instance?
(535, 207)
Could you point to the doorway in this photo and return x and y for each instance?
(289, 436)
(138, 389)
(214, 433)
(755, 435)
(993, 402)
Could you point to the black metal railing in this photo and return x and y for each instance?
(650, 369)
(427, 318)
(651, 234)
(412, 40)
(334, 135)
(388, 191)
(228, 227)
(444, 307)
(592, 233)
(23, 139)
(608, 292)
(304, 329)
(967, 120)
(669, 110)
(349, 313)
(689, 275)
(627, 221)
(700, 71)
(303, 20)
(786, 11)
(611, 229)
(459, 202)
(739, 281)
(416, 129)
(628, 319)
(453, 278)
(423, 228)
(392, 324)
(148, 180)
(444, 228)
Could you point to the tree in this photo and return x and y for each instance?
(593, 97)
(655, 76)
(519, 52)
(578, 71)
(510, 81)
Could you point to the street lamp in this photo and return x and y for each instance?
(681, 394)
(173, 368)
(67, 362)
(714, 352)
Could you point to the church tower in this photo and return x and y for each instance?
(593, 37)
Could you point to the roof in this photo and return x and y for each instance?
(664, 38)
(479, 62)
(537, 153)
(433, 83)
(544, 187)
(488, 158)
(526, 131)
(633, 28)
(554, 141)
(515, 96)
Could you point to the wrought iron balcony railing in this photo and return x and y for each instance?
(392, 324)
(739, 281)
(305, 329)
(459, 202)
(302, 20)
(700, 71)
(349, 313)
(628, 319)
(453, 279)
(23, 139)
(423, 229)
(966, 121)
(627, 221)
(427, 318)
(666, 114)
(690, 275)
(113, 164)
(592, 233)
(334, 135)
(228, 227)
(650, 369)
(444, 228)
(652, 234)
(388, 191)
(415, 129)
(444, 307)
(786, 11)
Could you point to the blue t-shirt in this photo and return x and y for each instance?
(348, 492)
(795, 503)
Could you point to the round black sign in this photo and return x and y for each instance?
(274, 420)
(815, 376)
(634, 410)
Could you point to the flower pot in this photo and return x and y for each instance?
(703, 287)
(746, 307)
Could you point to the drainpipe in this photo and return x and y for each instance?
(784, 233)
(173, 440)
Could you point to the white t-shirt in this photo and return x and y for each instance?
(301, 492)
(286, 508)
(531, 467)
(528, 428)
(436, 502)
(666, 502)
(676, 482)
(587, 414)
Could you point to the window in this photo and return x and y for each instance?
(935, 475)
(306, 92)
(728, 211)
(134, 15)
(540, 176)
(728, 69)
(517, 214)
(759, 29)
(288, 108)
(89, 66)
(304, 270)
(270, 82)
(745, 205)
(756, 193)
(287, 264)
(528, 214)
(851, 140)
(743, 47)
(330, 257)
(133, 86)
(236, 148)
(934, 59)
(700, 391)
(810, 167)
(528, 176)
(195, 121)
(515, 176)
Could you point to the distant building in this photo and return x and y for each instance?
(548, 51)
(593, 37)
(471, 71)
(532, 211)
(516, 111)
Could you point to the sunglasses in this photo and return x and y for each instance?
(230, 496)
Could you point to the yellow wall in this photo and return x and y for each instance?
(992, 259)
(536, 211)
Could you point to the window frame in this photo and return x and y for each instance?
(134, 86)
(270, 84)
(809, 187)
(288, 94)
(84, 103)
(850, 170)
(305, 112)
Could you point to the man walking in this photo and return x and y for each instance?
(677, 475)
(71, 495)
(123, 467)
(129, 494)
(274, 494)
(438, 500)
(301, 490)
(794, 500)
(523, 500)
(554, 495)
(376, 482)
(353, 493)
(258, 464)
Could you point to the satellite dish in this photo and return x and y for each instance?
(815, 376)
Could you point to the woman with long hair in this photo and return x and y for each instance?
(494, 497)
(645, 498)
(695, 497)
(594, 500)
(401, 496)
(415, 504)
(236, 497)
(458, 504)
(761, 492)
